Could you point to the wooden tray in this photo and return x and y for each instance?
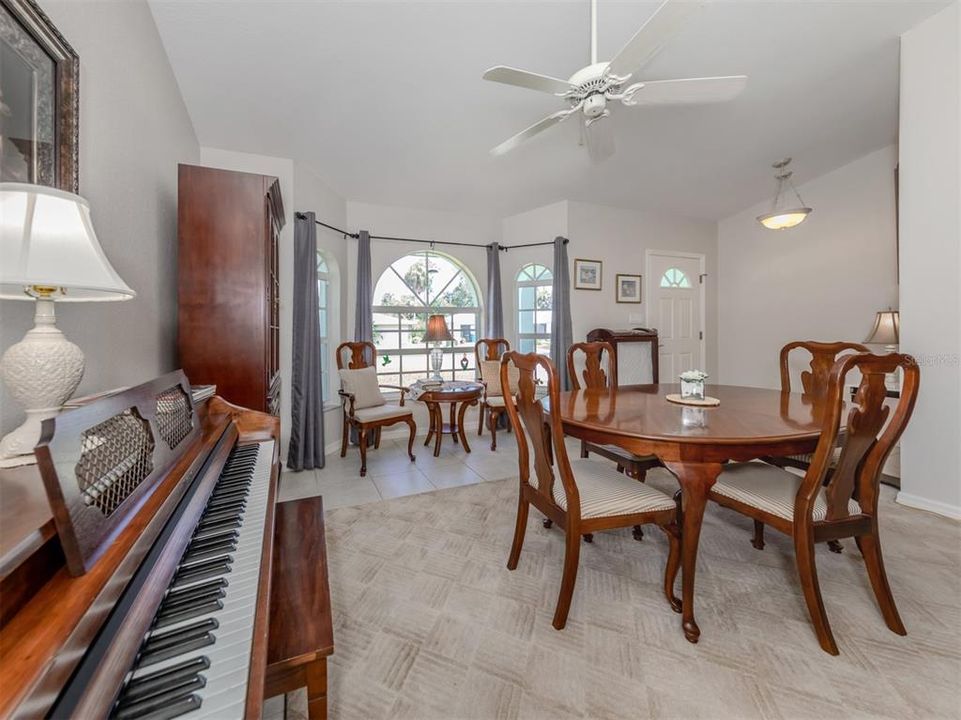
(706, 402)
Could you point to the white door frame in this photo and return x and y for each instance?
(653, 284)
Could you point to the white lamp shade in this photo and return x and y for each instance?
(886, 330)
(47, 240)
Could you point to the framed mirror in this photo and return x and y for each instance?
(39, 99)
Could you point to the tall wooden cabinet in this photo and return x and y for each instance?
(228, 225)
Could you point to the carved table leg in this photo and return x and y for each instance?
(453, 422)
(438, 428)
(696, 480)
(460, 423)
(430, 419)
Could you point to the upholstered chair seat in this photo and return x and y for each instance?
(382, 412)
(604, 492)
(769, 489)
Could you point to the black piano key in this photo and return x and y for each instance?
(172, 643)
(205, 527)
(226, 503)
(179, 603)
(207, 551)
(175, 709)
(227, 536)
(163, 680)
(175, 596)
(188, 612)
(212, 517)
(203, 570)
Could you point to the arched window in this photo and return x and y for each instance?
(323, 304)
(674, 278)
(412, 288)
(534, 309)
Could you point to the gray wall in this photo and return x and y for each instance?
(134, 129)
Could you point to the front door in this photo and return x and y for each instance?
(674, 291)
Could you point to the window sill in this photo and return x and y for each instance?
(331, 405)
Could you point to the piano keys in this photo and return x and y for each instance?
(163, 611)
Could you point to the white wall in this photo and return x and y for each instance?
(620, 239)
(930, 156)
(822, 280)
(134, 129)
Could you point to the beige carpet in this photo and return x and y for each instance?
(429, 623)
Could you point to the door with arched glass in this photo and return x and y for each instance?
(676, 310)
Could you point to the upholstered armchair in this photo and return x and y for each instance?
(366, 410)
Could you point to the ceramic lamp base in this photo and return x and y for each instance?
(41, 372)
(436, 362)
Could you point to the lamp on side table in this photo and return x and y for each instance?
(887, 332)
(48, 253)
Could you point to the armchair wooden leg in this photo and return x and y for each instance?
(363, 451)
(377, 438)
(494, 418)
(638, 533)
(481, 409)
(343, 442)
(410, 441)
(584, 453)
(547, 523)
(673, 565)
(835, 546)
(870, 547)
(588, 537)
(758, 539)
(807, 570)
(572, 552)
(519, 531)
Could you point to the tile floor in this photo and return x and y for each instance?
(391, 474)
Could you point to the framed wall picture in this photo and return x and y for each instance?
(627, 288)
(39, 99)
(587, 274)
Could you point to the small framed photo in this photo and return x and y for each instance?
(587, 274)
(628, 288)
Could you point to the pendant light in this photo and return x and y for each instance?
(783, 215)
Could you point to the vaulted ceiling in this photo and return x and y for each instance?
(384, 100)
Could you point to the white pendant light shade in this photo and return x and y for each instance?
(47, 241)
(783, 215)
(784, 219)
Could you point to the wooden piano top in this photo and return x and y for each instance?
(50, 613)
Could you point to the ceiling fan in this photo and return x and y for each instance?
(591, 90)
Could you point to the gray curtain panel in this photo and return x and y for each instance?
(562, 335)
(494, 317)
(306, 448)
(363, 315)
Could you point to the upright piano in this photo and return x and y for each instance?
(167, 583)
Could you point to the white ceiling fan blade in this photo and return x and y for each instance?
(600, 138)
(525, 79)
(688, 90)
(653, 35)
(530, 132)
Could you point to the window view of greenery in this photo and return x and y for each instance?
(411, 289)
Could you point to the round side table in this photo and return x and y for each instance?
(464, 394)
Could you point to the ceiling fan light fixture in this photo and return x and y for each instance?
(782, 217)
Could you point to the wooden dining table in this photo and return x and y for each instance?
(693, 442)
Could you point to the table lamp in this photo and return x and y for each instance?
(48, 253)
(437, 332)
(887, 332)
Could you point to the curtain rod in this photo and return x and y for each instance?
(505, 248)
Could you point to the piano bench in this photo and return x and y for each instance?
(301, 635)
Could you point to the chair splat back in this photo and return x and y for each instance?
(870, 432)
(814, 382)
(490, 349)
(593, 374)
(356, 355)
(538, 432)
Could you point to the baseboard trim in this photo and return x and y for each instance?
(933, 506)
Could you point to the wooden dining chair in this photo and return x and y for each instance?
(814, 386)
(595, 376)
(581, 496)
(487, 355)
(819, 506)
(366, 410)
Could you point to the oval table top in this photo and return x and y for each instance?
(745, 415)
